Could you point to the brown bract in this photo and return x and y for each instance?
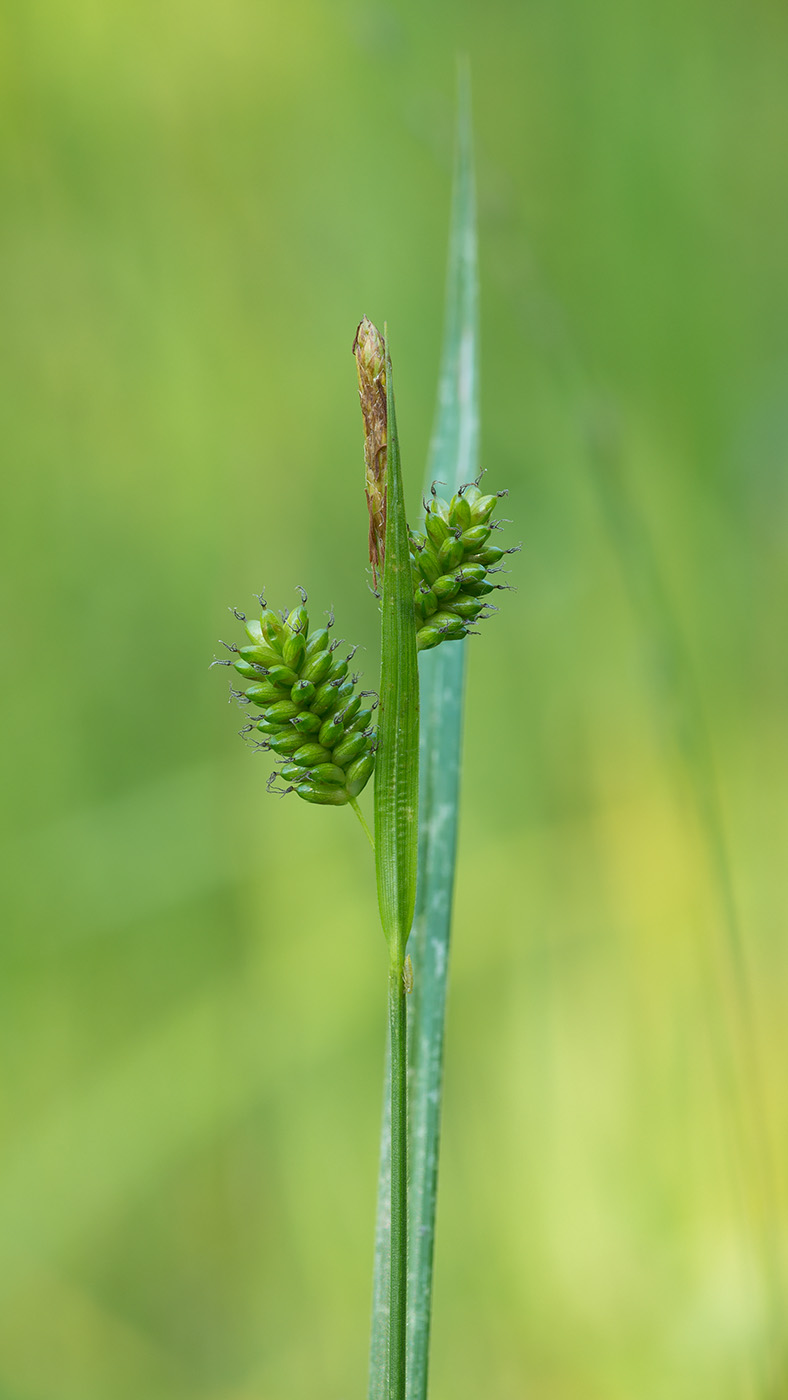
(369, 350)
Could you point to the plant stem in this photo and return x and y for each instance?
(379, 1339)
(398, 1295)
(396, 849)
(362, 819)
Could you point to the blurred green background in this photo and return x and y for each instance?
(198, 203)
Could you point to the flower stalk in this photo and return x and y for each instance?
(396, 849)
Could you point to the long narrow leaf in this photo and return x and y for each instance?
(397, 767)
(453, 460)
(396, 847)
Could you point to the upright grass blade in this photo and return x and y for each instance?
(453, 459)
(397, 767)
(396, 845)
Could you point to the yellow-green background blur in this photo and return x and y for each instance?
(199, 201)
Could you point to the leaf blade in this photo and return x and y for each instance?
(397, 765)
(453, 459)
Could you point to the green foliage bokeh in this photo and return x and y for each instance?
(199, 203)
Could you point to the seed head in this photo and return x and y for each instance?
(370, 353)
(312, 719)
(451, 562)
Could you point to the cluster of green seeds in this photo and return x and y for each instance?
(312, 716)
(451, 562)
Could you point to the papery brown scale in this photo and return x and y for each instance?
(369, 350)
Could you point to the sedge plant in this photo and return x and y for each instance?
(434, 584)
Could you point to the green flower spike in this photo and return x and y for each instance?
(451, 562)
(312, 716)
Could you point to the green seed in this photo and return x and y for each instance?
(317, 667)
(339, 670)
(266, 693)
(351, 709)
(350, 747)
(479, 588)
(255, 631)
(470, 573)
(327, 773)
(260, 656)
(318, 641)
(288, 744)
(425, 602)
(440, 508)
(302, 693)
(428, 564)
(459, 513)
(362, 721)
(358, 774)
(310, 754)
(428, 637)
(466, 607)
(437, 529)
(482, 509)
(326, 698)
(248, 671)
(449, 625)
(331, 730)
(322, 794)
(450, 554)
(446, 586)
(491, 555)
(267, 727)
(345, 692)
(475, 538)
(305, 722)
(298, 621)
(292, 772)
(281, 712)
(294, 650)
(282, 675)
(271, 627)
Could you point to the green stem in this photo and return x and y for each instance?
(362, 819)
(398, 1296)
(396, 850)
